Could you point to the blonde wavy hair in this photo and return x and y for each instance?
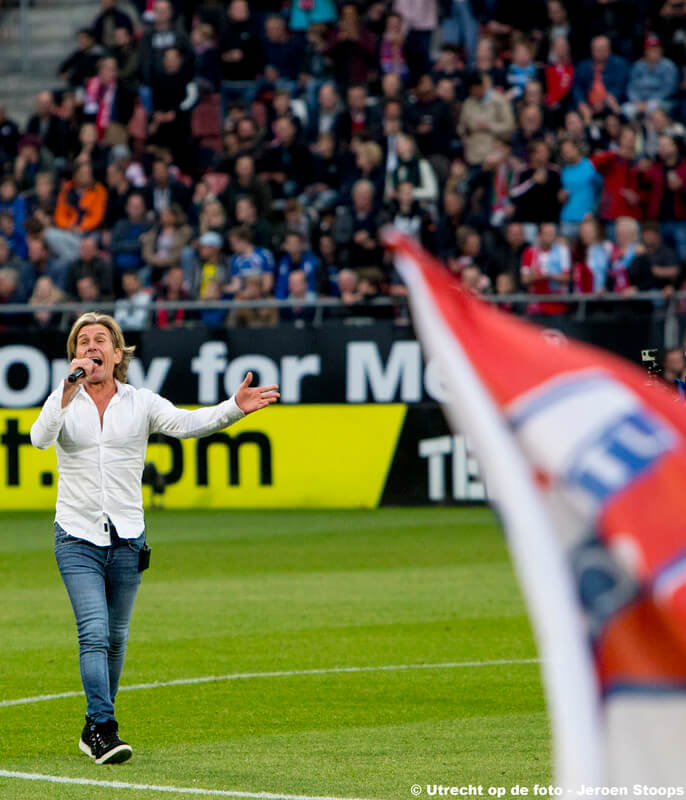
(94, 318)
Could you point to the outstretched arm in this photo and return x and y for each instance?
(184, 424)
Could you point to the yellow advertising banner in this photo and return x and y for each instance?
(309, 456)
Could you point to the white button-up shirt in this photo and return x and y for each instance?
(101, 468)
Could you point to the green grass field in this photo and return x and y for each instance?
(254, 592)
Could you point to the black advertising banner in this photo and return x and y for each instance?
(338, 363)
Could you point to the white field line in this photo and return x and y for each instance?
(34, 776)
(237, 676)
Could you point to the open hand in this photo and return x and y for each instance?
(251, 399)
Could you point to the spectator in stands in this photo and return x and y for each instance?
(248, 260)
(653, 81)
(213, 218)
(407, 215)
(165, 33)
(208, 265)
(80, 209)
(581, 186)
(656, 266)
(674, 365)
(670, 26)
(163, 190)
(282, 53)
(594, 255)
(299, 292)
(12, 201)
(163, 244)
(359, 116)
(42, 199)
(368, 166)
(261, 229)
(118, 191)
(420, 19)
(15, 238)
(352, 49)
(286, 163)
(665, 185)
(82, 64)
(415, 170)
(45, 293)
(313, 12)
(108, 21)
(170, 289)
(132, 312)
(10, 291)
(125, 51)
(430, 120)
(323, 191)
(535, 193)
(90, 262)
(522, 69)
(109, 102)
(295, 257)
(207, 64)
(41, 262)
(47, 126)
(126, 244)
(173, 97)
(392, 47)
(624, 253)
(245, 183)
(265, 317)
(546, 269)
(240, 51)
(600, 81)
(529, 131)
(559, 76)
(9, 138)
(357, 228)
(87, 292)
(620, 196)
(485, 115)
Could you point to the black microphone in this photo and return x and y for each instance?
(78, 373)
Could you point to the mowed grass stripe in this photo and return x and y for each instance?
(283, 592)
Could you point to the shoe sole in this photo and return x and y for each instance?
(84, 748)
(116, 755)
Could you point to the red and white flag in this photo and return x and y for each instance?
(587, 466)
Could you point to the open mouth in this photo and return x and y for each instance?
(97, 361)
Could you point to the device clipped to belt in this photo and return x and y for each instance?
(143, 558)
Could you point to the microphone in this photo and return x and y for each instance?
(79, 372)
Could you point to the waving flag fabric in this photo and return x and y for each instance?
(587, 466)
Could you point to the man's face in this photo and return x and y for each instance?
(357, 98)
(172, 61)
(94, 341)
(547, 236)
(293, 247)
(163, 12)
(666, 148)
(88, 249)
(297, 284)
(600, 48)
(135, 208)
(87, 289)
(160, 173)
(674, 361)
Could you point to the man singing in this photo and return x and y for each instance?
(100, 427)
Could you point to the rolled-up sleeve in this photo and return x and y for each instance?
(47, 427)
(165, 417)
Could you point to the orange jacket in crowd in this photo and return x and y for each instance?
(86, 213)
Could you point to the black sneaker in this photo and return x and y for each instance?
(100, 741)
(84, 741)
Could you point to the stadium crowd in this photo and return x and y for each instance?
(209, 150)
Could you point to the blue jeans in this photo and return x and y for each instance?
(102, 583)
